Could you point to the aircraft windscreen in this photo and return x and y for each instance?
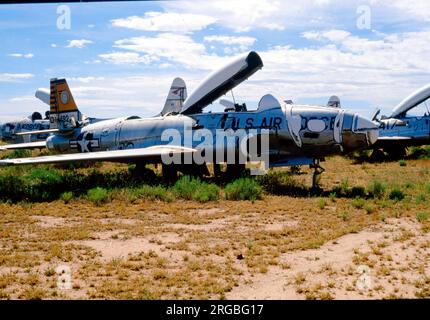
(423, 109)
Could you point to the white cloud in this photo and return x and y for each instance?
(12, 77)
(53, 45)
(331, 35)
(22, 55)
(233, 44)
(126, 58)
(245, 15)
(166, 22)
(81, 43)
(86, 79)
(177, 48)
(420, 9)
(229, 40)
(379, 71)
(22, 99)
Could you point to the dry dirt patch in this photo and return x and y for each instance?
(111, 245)
(332, 271)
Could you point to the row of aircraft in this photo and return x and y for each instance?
(295, 134)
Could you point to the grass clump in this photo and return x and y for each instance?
(397, 194)
(66, 196)
(153, 193)
(377, 189)
(98, 196)
(402, 163)
(420, 152)
(369, 208)
(281, 183)
(344, 186)
(186, 186)
(207, 192)
(243, 189)
(358, 203)
(422, 216)
(18, 153)
(344, 216)
(420, 198)
(321, 203)
(190, 188)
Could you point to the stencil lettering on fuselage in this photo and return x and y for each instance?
(272, 123)
(85, 142)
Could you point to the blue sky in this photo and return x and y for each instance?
(120, 58)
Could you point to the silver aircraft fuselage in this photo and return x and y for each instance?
(294, 131)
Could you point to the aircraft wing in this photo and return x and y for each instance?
(114, 155)
(29, 145)
(28, 133)
(394, 138)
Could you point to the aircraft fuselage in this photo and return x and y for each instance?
(294, 131)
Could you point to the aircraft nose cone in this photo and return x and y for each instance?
(359, 132)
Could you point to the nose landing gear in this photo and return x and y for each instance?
(316, 177)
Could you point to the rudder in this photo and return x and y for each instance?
(176, 97)
(64, 114)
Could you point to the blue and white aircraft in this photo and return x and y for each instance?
(187, 138)
(408, 125)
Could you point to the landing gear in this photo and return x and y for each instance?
(142, 173)
(377, 156)
(169, 172)
(396, 153)
(316, 177)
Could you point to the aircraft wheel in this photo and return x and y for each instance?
(141, 173)
(377, 155)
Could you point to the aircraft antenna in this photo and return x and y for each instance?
(232, 95)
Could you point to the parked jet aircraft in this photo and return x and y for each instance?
(9, 131)
(34, 137)
(296, 134)
(402, 128)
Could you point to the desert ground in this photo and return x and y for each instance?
(338, 244)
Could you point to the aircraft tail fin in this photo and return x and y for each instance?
(64, 115)
(176, 97)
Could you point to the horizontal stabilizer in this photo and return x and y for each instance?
(114, 155)
(29, 145)
(394, 138)
(26, 133)
(221, 81)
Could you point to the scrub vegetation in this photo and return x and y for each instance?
(203, 238)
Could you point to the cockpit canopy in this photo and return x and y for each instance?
(268, 101)
(416, 99)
